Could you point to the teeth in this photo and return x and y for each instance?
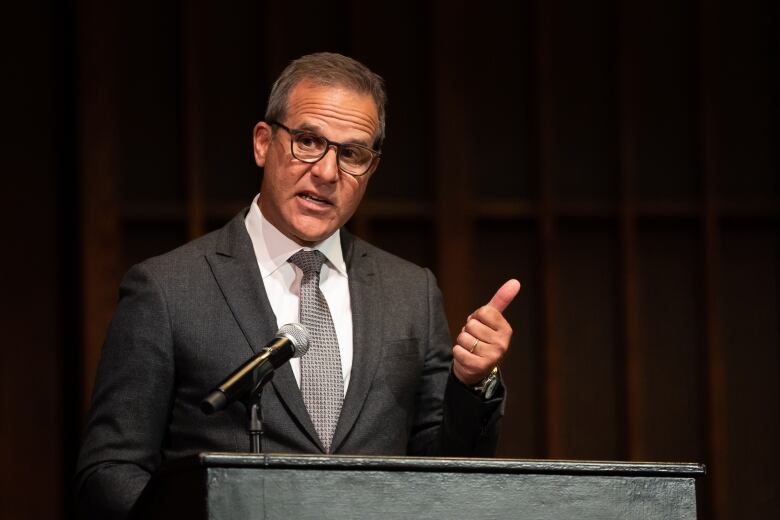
(315, 199)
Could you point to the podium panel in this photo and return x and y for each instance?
(218, 486)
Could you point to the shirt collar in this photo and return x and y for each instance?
(273, 248)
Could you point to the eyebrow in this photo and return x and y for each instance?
(317, 130)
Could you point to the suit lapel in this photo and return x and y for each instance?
(366, 332)
(235, 269)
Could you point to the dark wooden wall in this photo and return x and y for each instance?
(41, 302)
(621, 158)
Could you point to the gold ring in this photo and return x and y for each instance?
(474, 346)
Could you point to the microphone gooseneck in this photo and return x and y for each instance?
(292, 340)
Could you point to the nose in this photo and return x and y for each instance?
(327, 168)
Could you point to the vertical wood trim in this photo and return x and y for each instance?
(634, 442)
(452, 163)
(547, 232)
(715, 435)
(633, 409)
(716, 367)
(273, 40)
(193, 140)
(553, 382)
(98, 30)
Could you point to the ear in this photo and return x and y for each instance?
(261, 138)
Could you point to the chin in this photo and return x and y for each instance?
(312, 236)
(316, 231)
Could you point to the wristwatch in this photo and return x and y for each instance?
(487, 387)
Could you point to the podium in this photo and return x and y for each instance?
(221, 486)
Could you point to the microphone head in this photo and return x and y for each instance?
(298, 336)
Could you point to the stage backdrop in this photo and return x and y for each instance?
(620, 158)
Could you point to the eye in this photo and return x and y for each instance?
(355, 154)
(309, 142)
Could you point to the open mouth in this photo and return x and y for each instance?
(314, 199)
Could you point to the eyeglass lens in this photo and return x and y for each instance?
(310, 147)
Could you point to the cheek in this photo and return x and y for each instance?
(354, 193)
(280, 182)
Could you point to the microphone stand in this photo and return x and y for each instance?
(254, 414)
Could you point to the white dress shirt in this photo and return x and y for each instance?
(283, 282)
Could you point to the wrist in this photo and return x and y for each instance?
(486, 388)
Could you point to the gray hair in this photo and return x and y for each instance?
(328, 69)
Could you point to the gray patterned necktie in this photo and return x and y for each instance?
(322, 384)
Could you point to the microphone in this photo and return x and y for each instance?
(291, 341)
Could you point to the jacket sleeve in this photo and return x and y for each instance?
(130, 404)
(451, 419)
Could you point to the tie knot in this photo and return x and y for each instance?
(308, 261)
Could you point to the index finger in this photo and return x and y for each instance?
(505, 294)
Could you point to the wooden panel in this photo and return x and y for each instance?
(749, 287)
(499, 105)
(40, 280)
(509, 249)
(582, 61)
(193, 139)
(544, 100)
(100, 161)
(149, 105)
(406, 168)
(452, 160)
(144, 239)
(657, 48)
(669, 344)
(409, 239)
(746, 36)
(223, 218)
(587, 333)
(715, 436)
(292, 29)
(233, 86)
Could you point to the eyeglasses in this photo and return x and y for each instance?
(308, 147)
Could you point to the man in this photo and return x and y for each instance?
(381, 376)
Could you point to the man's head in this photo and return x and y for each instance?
(326, 96)
(328, 69)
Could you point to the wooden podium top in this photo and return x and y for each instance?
(448, 464)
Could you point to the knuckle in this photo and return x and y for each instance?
(488, 315)
(470, 325)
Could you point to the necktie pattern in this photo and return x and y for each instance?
(322, 384)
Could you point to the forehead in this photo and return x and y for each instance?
(330, 107)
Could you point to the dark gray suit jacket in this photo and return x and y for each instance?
(186, 319)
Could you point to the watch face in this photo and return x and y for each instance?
(490, 387)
